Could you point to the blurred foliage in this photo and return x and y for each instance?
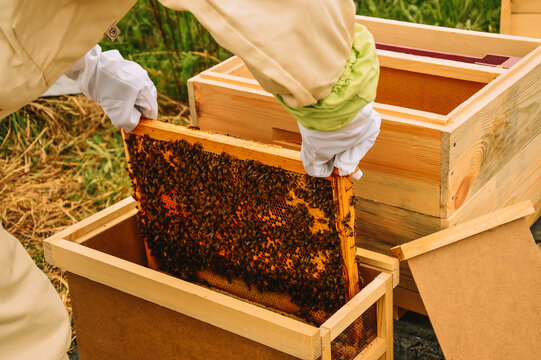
(481, 15)
(173, 46)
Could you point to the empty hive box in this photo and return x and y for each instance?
(460, 133)
(260, 243)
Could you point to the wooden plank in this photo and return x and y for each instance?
(354, 308)
(227, 66)
(403, 168)
(100, 221)
(325, 343)
(482, 294)
(462, 231)
(409, 300)
(383, 262)
(216, 143)
(251, 85)
(387, 59)
(385, 319)
(374, 350)
(380, 227)
(439, 67)
(449, 40)
(111, 324)
(526, 25)
(519, 180)
(490, 129)
(410, 114)
(505, 17)
(192, 101)
(255, 323)
(343, 194)
(526, 6)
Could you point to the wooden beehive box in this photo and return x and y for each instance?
(125, 310)
(521, 17)
(460, 133)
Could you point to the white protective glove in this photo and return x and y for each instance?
(121, 87)
(323, 151)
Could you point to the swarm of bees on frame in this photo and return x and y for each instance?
(274, 229)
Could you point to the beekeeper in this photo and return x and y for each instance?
(320, 65)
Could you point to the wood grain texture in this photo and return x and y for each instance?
(526, 6)
(342, 188)
(491, 129)
(505, 17)
(252, 322)
(526, 24)
(110, 279)
(216, 143)
(463, 231)
(379, 227)
(521, 17)
(112, 324)
(350, 312)
(409, 300)
(385, 319)
(519, 180)
(449, 40)
(438, 67)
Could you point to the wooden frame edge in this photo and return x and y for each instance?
(98, 221)
(505, 17)
(354, 308)
(478, 101)
(462, 231)
(288, 335)
(192, 104)
(65, 250)
(380, 262)
(216, 143)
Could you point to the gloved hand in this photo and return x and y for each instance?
(121, 87)
(322, 151)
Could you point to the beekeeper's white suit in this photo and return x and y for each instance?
(296, 49)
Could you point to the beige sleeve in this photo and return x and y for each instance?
(295, 48)
(34, 323)
(42, 39)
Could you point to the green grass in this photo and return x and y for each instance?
(483, 15)
(173, 46)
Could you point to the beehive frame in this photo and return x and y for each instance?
(427, 171)
(67, 250)
(270, 157)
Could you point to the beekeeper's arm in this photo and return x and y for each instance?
(321, 66)
(296, 49)
(121, 87)
(40, 40)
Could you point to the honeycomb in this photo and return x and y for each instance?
(257, 231)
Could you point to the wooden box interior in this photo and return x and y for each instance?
(138, 319)
(399, 88)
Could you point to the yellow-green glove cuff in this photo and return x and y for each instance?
(355, 88)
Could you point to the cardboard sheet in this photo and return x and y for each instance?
(483, 294)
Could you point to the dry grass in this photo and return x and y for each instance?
(60, 161)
